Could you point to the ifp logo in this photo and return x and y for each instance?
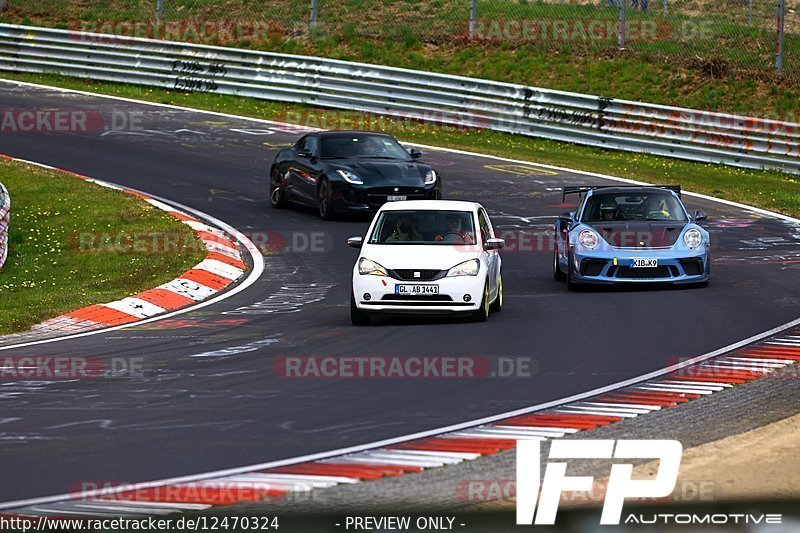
(620, 484)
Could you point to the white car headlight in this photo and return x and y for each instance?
(692, 238)
(588, 239)
(430, 177)
(467, 268)
(368, 267)
(349, 177)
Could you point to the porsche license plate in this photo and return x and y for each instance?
(644, 263)
(416, 289)
(395, 198)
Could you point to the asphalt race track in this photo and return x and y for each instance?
(209, 397)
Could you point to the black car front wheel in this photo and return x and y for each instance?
(324, 199)
(277, 196)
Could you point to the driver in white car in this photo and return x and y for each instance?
(455, 232)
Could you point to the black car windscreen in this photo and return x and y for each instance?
(362, 146)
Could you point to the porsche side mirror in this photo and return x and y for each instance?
(494, 244)
(699, 216)
(565, 217)
(355, 242)
(305, 154)
(414, 153)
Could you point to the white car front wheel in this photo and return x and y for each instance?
(482, 313)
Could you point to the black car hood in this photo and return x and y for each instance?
(639, 233)
(381, 172)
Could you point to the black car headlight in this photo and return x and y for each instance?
(431, 177)
(349, 177)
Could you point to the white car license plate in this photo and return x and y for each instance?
(416, 289)
(644, 263)
(395, 198)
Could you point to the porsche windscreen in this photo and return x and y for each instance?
(651, 206)
(424, 227)
(362, 146)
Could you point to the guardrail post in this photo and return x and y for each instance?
(312, 23)
(621, 35)
(3, 5)
(664, 13)
(750, 12)
(779, 52)
(159, 10)
(473, 17)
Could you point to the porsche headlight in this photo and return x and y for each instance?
(467, 268)
(430, 177)
(368, 267)
(692, 238)
(588, 239)
(349, 177)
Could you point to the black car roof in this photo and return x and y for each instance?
(344, 133)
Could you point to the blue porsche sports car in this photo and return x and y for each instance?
(630, 234)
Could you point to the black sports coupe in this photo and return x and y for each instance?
(350, 172)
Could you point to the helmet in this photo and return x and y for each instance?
(606, 208)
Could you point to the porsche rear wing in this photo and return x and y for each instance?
(583, 189)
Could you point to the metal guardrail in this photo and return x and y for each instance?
(451, 100)
(5, 216)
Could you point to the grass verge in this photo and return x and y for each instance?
(47, 274)
(771, 190)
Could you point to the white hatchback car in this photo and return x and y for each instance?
(427, 257)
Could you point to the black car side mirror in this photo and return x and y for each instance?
(699, 216)
(494, 244)
(565, 217)
(304, 154)
(414, 153)
(355, 242)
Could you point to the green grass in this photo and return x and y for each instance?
(772, 190)
(47, 275)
